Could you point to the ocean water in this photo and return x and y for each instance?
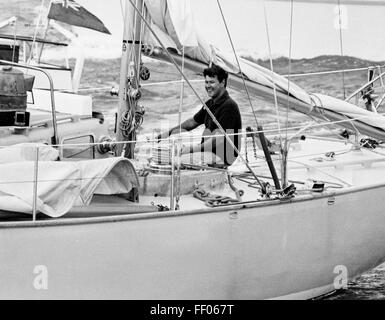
(363, 40)
(369, 286)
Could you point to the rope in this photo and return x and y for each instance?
(275, 130)
(288, 78)
(236, 58)
(142, 85)
(177, 198)
(123, 13)
(181, 94)
(322, 171)
(36, 30)
(272, 72)
(341, 45)
(327, 72)
(14, 41)
(212, 200)
(127, 123)
(138, 63)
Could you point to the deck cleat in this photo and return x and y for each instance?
(266, 190)
(289, 191)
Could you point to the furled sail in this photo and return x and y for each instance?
(173, 22)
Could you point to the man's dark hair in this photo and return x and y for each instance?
(215, 70)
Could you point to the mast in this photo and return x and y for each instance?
(129, 80)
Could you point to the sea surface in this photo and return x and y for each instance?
(161, 101)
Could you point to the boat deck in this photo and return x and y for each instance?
(317, 169)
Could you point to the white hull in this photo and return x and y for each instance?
(280, 250)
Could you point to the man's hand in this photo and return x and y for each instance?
(186, 149)
(163, 135)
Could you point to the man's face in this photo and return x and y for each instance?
(213, 87)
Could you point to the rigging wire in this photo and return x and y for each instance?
(316, 125)
(261, 136)
(329, 72)
(36, 30)
(177, 198)
(322, 171)
(285, 149)
(236, 58)
(181, 94)
(341, 44)
(138, 62)
(272, 73)
(122, 11)
(14, 41)
(127, 124)
(289, 66)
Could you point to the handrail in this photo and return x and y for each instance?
(329, 71)
(35, 181)
(364, 86)
(56, 138)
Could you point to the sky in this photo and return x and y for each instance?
(349, 2)
(315, 27)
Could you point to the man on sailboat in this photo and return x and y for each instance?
(213, 149)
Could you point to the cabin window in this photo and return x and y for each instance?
(78, 147)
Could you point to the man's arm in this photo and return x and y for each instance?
(187, 125)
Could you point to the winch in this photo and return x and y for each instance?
(14, 85)
(158, 175)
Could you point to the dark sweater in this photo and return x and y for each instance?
(227, 113)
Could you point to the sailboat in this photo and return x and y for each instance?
(118, 228)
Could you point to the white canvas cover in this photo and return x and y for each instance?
(27, 151)
(62, 184)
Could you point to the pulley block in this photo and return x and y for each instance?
(134, 94)
(144, 73)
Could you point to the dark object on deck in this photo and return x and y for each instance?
(369, 143)
(289, 190)
(318, 186)
(266, 152)
(14, 118)
(9, 52)
(13, 96)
